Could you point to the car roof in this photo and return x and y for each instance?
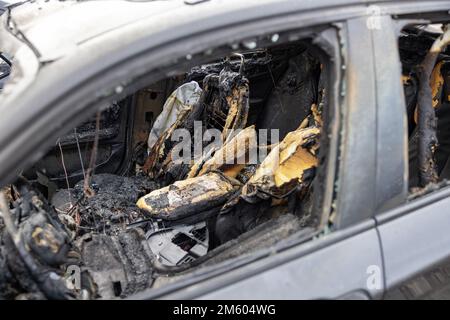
(54, 28)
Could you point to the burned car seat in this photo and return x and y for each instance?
(255, 192)
(223, 105)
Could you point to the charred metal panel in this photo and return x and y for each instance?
(148, 105)
(427, 122)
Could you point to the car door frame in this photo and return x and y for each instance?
(413, 232)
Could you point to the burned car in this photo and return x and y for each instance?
(201, 149)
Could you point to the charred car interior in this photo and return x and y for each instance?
(210, 164)
(111, 198)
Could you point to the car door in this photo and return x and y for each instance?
(413, 231)
(344, 263)
(416, 252)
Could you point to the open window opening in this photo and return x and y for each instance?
(210, 164)
(425, 62)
